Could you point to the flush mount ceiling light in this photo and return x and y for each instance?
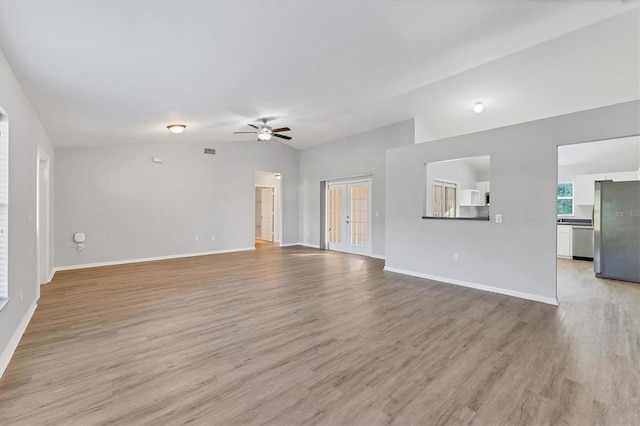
(478, 107)
(176, 128)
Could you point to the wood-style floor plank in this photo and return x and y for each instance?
(301, 336)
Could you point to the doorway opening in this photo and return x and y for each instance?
(348, 216)
(593, 242)
(42, 220)
(268, 207)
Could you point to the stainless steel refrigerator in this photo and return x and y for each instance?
(616, 226)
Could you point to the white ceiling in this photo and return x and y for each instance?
(102, 72)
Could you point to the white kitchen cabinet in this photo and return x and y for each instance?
(585, 184)
(565, 241)
(483, 188)
(469, 197)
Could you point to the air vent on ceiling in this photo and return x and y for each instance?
(210, 151)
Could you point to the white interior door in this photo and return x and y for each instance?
(349, 217)
(258, 213)
(42, 220)
(267, 213)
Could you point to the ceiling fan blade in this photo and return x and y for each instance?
(235, 133)
(251, 125)
(281, 129)
(282, 136)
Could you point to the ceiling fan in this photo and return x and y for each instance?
(265, 132)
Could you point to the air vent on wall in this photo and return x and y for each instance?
(210, 151)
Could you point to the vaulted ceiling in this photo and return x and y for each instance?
(118, 72)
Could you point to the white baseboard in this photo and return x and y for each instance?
(315, 246)
(506, 292)
(290, 244)
(6, 356)
(53, 272)
(149, 259)
(377, 256)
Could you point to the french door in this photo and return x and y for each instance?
(349, 217)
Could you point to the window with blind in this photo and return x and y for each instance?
(444, 199)
(4, 208)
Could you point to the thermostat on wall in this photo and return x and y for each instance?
(79, 237)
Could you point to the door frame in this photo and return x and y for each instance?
(346, 181)
(273, 212)
(277, 210)
(43, 225)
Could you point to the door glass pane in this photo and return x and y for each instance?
(359, 216)
(438, 200)
(335, 215)
(450, 200)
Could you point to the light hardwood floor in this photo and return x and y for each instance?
(301, 336)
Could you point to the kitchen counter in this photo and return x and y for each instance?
(575, 222)
(485, 218)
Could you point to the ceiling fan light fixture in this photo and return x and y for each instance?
(264, 134)
(176, 128)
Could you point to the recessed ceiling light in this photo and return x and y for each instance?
(176, 128)
(478, 107)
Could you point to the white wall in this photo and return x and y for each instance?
(26, 134)
(517, 256)
(131, 208)
(354, 155)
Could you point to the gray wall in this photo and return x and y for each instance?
(132, 208)
(26, 134)
(354, 155)
(518, 255)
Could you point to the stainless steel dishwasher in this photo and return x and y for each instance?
(583, 242)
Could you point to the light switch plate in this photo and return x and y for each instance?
(498, 218)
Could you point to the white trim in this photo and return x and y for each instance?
(513, 293)
(53, 272)
(6, 356)
(315, 246)
(354, 178)
(290, 244)
(378, 256)
(149, 259)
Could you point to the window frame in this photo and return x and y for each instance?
(572, 198)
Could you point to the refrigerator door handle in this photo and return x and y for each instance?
(596, 220)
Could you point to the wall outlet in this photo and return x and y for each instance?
(213, 237)
(498, 218)
(455, 257)
(196, 238)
